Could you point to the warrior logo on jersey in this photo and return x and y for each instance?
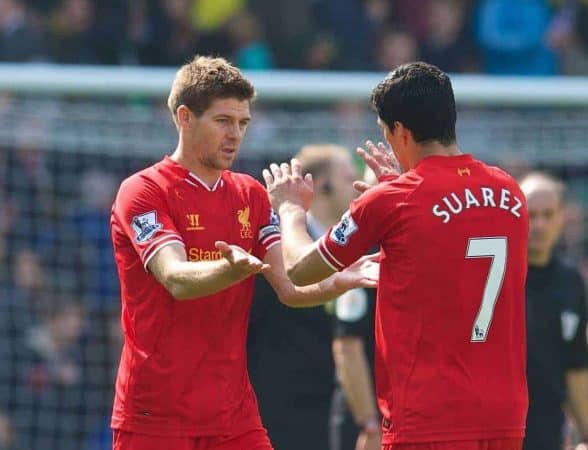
(346, 227)
(145, 226)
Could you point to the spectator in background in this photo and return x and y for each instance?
(289, 351)
(292, 29)
(410, 13)
(89, 225)
(251, 52)
(568, 33)
(212, 15)
(20, 39)
(72, 33)
(448, 44)
(338, 17)
(355, 421)
(395, 46)
(557, 367)
(50, 408)
(512, 36)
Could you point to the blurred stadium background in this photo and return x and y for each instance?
(82, 106)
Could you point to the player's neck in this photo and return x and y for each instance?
(207, 174)
(433, 149)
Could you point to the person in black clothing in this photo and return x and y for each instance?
(557, 366)
(289, 350)
(355, 421)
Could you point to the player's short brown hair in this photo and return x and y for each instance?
(317, 159)
(205, 79)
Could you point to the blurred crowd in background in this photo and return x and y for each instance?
(532, 37)
(60, 332)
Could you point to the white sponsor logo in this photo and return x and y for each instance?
(145, 226)
(352, 305)
(346, 227)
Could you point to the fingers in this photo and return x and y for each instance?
(276, 171)
(370, 161)
(361, 186)
(267, 177)
(226, 250)
(296, 168)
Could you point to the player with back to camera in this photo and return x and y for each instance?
(450, 314)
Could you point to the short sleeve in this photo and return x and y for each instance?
(351, 313)
(362, 227)
(141, 212)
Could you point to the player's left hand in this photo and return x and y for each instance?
(362, 273)
(582, 446)
(285, 184)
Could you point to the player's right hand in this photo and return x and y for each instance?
(242, 262)
(380, 160)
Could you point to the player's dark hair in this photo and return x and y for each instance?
(420, 97)
(205, 79)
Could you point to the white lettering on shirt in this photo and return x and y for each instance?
(453, 203)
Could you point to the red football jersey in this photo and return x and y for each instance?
(183, 369)
(450, 317)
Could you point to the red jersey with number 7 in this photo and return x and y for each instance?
(450, 316)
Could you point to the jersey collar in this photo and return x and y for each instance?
(190, 177)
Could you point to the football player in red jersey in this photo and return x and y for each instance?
(450, 314)
(182, 382)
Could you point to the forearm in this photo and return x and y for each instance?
(187, 280)
(296, 242)
(355, 378)
(577, 386)
(311, 295)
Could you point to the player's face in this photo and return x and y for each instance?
(215, 137)
(545, 220)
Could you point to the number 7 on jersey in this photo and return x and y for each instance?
(495, 248)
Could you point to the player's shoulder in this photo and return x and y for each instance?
(242, 181)
(146, 185)
(498, 174)
(394, 187)
(567, 271)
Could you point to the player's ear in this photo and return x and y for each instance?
(183, 114)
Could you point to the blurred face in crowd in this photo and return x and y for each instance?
(546, 218)
(27, 271)
(445, 20)
(68, 324)
(396, 48)
(342, 175)
(214, 138)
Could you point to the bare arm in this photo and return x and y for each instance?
(577, 387)
(304, 264)
(354, 375)
(360, 274)
(186, 280)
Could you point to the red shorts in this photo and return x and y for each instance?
(252, 440)
(485, 444)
